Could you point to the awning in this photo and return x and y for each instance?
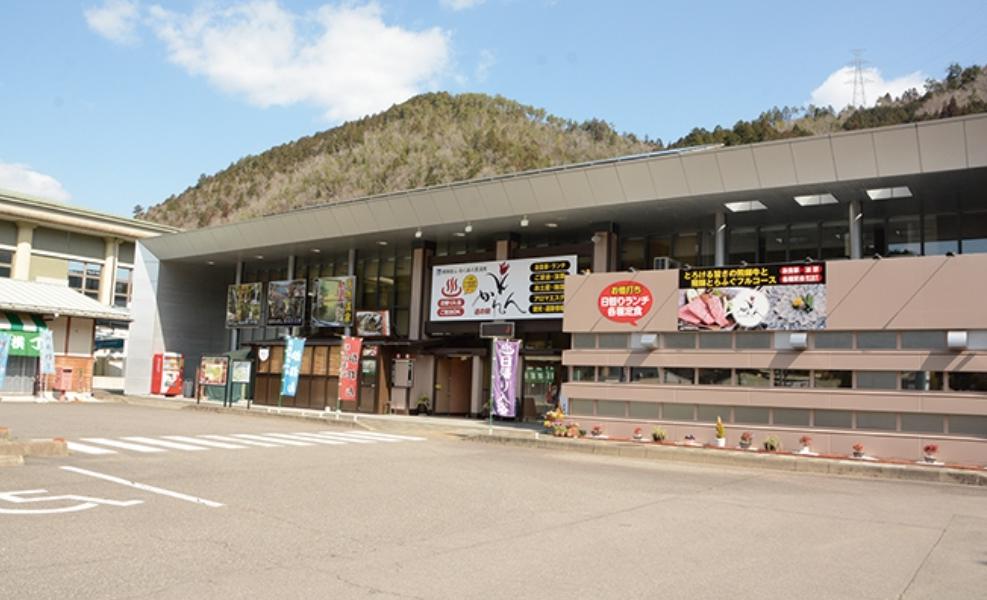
(24, 330)
(49, 299)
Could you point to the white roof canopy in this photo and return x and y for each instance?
(52, 299)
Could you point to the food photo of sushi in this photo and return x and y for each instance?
(769, 307)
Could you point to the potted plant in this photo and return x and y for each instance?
(658, 434)
(690, 440)
(929, 452)
(772, 444)
(553, 418)
(422, 408)
(858, 450)
(638, 436)
(746, 439)
(721, 434)
(805, 445)
(597, 431)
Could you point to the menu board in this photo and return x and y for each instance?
(527, 288)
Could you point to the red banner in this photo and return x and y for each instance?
(349, 368)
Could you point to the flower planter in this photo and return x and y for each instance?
(721, 442)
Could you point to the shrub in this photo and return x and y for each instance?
(658, 434)
(858, 447)
(772, 444)
(805, 440)
(931, 448)
(721, 431)
(747, 437)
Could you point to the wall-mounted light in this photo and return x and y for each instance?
(721, 227)
(418, 233)
(524, 221)
(468, 228)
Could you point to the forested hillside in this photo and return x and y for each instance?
(439, 138)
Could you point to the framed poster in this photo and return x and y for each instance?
(771, 297)
(333, 305)
(286, 302)
(524, 288)
(240, 372)
(243, 305)
(373, 323)
(213, 370)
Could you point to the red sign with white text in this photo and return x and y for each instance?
(625, 301)
(349, 368)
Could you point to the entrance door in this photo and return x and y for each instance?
(368, 385)
(453, 378)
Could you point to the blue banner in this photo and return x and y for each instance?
(293, 349)
(47, 353)
(4, 353)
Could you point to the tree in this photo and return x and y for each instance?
(138, 211)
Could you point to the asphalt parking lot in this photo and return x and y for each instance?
(307, 511)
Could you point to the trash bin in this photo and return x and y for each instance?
(188, 389)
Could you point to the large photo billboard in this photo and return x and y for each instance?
(286, 302)
(333, 302)
(243, 305)
(526, 288)
(753, 297)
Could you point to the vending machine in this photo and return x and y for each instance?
(166, 374)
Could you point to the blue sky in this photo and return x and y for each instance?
(109, 104)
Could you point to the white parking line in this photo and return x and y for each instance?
(273, 440)
(165, 444)
(359, 436)
(207, 443)
(336, 436)
(226, 438)
(144, 487)
(309, 437)
(87, 449)
(124, 445)
(409, 438)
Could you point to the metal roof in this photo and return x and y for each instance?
(135, 227)
(50, 299)
(604, 188)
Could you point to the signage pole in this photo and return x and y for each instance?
(490, 401)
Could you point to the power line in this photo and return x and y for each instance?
(859, 80)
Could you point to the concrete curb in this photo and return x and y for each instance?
(11, 460)
(757, 460)
(12, 452)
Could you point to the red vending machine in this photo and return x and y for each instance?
(166, 374)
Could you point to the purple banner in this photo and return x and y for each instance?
(504, 375)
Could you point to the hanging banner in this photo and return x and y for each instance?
(243, 305)
(333, 302)
(349, 368)
(286, 302)
(47, 352)
(4, 354)
(373, 323)
(526, 288)
(504, 377)
(294, 348)
(753, 297)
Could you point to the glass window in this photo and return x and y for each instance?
(773, 244)
(926, 381)
(877, 420)
(874, 234)
(877, 340)
(877, 380)
(753, 377)
(920, 423)
(968, 425)
(370, 269)
(791, 378)
(685, 248)
(679, 412)
(742, 244)
(680, 375)
(709, 412)
(611, 408)
(753, 341)
(84, 277)
(942, 234)
(803, 241)
(835, 240)
(752, 415)
(121, 289)
(974, 232)
(833, 340)
(904, 236)
(923, 340)
(967, 382)
(715, 377)
(680, 341)
(645, 375)
(792, 417)
(833, 379)
(632, 254)
(584, 373)
(582, 341)
(836, 419)
(612, 340)
(658, 246)
(642, 410)
(612, 374)
(580, 407)
(715, 341)
(6, 262)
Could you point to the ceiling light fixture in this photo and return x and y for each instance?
(316, 250)
(211, 263)
(382, 243)
(459, 234)
(551, 225)
(745, 206)
(468, 228)
(418, 233)
(816, 199)
(259, 257)
(889, 193)
(524, 221)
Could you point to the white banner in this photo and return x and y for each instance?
(524, 288)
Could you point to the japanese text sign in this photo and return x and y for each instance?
(294, 348)
(349, 368)
(625, 301)
(504, 377)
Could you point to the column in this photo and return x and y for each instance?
(856, 230)
(108, 275)
(605, 250)
(507, 246)
(421, 285)
(351, 271)
(235, 333)
(21, 269)
(720, 240)
(291, 275)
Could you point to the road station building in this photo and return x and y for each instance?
(828, 285)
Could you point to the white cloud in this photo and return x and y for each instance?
(344, 59)
(116, 20)
(486, 62)
(460, 4)
(22, 178)
(837, 90)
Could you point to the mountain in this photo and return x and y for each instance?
(439, 138)
(428, 140)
